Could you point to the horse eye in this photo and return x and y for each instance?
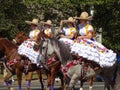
(43, 47)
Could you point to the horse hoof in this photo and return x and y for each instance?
(10, 88)
(47, 88)
(81, 88)
(27, 88)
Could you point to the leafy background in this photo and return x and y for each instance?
(14, 13)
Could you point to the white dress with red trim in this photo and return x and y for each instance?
(26, 48)
(68, 31)
(93, 50)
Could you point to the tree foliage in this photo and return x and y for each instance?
(13, 14)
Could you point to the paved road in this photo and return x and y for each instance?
(36, 85)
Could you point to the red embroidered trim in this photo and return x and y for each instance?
(12, 62)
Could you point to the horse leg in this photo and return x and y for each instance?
(81, 85)
(19, 77)
(61, 76)
(7, 76)
(40, 78)
(53, 74)
(49, 82)
(67, 80)
(91, 80)
(29, 78)
(73, 81)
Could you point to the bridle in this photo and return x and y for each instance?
(46, 50)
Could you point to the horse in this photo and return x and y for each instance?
(15, 63)
(48, 46)
(53, 67)
(18, 40)
(12, 61)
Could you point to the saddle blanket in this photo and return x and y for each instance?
(26, 48)
(68, 65)
(12, 62)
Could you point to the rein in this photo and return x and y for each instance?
(46, 52)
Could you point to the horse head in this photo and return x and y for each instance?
(41, 36)
(50, 46)
(46, 48)
(20, 38)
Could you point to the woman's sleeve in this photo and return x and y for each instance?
(90, 30)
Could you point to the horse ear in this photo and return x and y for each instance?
(46, 39)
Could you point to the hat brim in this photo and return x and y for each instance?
(88, 18)
(71, 21)
(29, 22)
(45, 23)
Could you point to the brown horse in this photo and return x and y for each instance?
(12, 62)
(19, 39)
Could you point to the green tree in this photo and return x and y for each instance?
(13, 15)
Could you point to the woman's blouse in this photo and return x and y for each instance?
(85, 30)
(48, 32)
(33, 34)
(69, 31)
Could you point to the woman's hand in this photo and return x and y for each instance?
(79, 37)
(61, 35)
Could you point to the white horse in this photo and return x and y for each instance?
(75, 73)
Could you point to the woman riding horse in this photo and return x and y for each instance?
(85, 46)
(70, 32)
(19, 39)
(88, 48)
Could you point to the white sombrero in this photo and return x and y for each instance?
(34, 21)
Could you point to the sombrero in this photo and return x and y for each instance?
(84, 16)
(70, 19)
(34, 21)
(48, 22)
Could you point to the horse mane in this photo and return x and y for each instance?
(65, 54)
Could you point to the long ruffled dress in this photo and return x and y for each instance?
(26, 48)
(92, 50)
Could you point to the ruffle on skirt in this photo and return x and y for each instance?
(67, 41)
(92, 50)
(26, 48)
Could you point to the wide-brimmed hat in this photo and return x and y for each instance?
(70, 19)
(48, 22)
(85, 16)
(34, 21)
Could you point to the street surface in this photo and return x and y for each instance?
(35, 85)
